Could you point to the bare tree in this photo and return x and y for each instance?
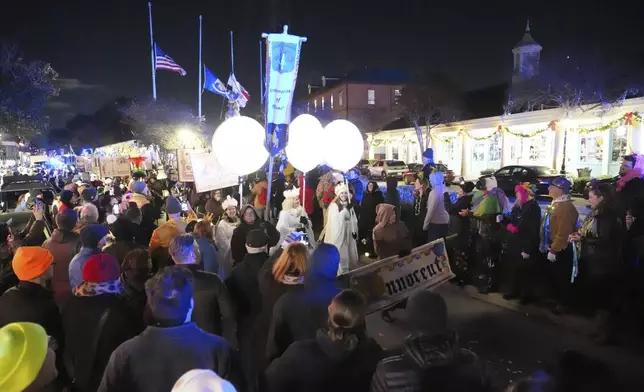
(25, 87)
(428, 101)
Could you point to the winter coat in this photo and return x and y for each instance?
(34, 232)
(601, 253)
(63, 245)
(159, 356)
(320, 364)
(86, 354)
(209, 255)
(420, 211)
(458, 224)
(214, 311)
(223, 236)
(8, 278)
(300, 312)
(631, 198)
(367, 218)
(162, 236)
(523, 228)
(357, 189)
(238, 240)
(431, 363)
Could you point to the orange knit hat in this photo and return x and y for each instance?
(30, 262)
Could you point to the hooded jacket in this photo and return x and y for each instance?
(238, 240)
(163, 234)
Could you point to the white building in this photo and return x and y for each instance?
(588, 139)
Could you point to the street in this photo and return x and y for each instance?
(514, 345)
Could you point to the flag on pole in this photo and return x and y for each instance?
(163, 61)
(213, 83)
(237, 92)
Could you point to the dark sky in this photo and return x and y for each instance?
(101, 48)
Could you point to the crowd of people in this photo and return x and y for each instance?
(137, 289)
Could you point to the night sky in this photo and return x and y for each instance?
(101, 49)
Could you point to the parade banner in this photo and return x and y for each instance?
(388, 281)
(184, 164)
(282, 63)
(208, 174)
(114, 167)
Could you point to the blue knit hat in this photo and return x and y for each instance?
(325, 261)
(429, 154)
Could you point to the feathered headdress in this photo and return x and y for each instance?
(229, 202)
(525, 191)
(292, 193)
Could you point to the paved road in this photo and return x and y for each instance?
(512, 344)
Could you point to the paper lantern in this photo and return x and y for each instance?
(238, 145)
(343, 145)
(304, 136)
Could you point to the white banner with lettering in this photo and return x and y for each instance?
(114, 166)
(390, 280)
(184, 165)
(209, 174)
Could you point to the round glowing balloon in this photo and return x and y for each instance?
(343, 146)
(238, 145)
(303, 149)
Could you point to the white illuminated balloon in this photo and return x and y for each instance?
(303, 149)
(238, 145)
(343, 146)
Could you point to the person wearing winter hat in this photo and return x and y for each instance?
(96, 320)
(65, 201)
(202, 380)
(93, 238)
(140, 193)
(174, 226)
(27, 363)
(224, 233)
(174, 341)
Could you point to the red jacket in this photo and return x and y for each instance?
(310, 195)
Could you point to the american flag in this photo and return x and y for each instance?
(163, 61)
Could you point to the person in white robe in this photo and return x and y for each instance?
(223, 234)
(342, 228)
(292, 219)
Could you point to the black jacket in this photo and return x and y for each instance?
(370, 200)
(86, 354)
(214, 311)
(527, 218)
(631, 198)
(320, 364)
(238, 240)
(601, 255)
(431, 364)
(457, 224)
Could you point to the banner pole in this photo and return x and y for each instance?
(153, 54)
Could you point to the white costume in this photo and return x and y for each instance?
(342, 231)
(223, 234)
(290, 219)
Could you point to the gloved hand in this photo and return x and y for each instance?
(525, 256)
(552, 257)
(303, 220)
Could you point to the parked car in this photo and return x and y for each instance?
(363, 167)
(415, 168)
(509, 176)
(387, 168)
(12, 188)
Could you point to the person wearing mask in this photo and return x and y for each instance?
(64, 244)
(176, 344)
(459, 248)
(522, 243)
(339, 357)
(559, 221)
(598, 272)
(224, 230)
(27, 358)
(390, 235)
(213, 310)
(431, 357)
(299, 313)
(342, 229)
(367, 219)
(96, 321)
(207, 249)
(250, 220)
(437, 219)
(92, 238)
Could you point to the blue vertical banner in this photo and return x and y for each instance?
(282, 63)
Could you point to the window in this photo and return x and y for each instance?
(340, 98)
(371, 97)
(503, 172)
(620, 143)
(450, 149)
(540, 149)
(394, 155)
(397, 95)
(495, 147)
(591, 148)
(322, 103)
(478, 152)
(331, 101)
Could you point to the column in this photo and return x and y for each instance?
(636, 138)
(557, 154)
(465, 155)
(389, 149)
(607, 151)
(504, 146)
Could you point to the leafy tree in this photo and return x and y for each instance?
(429, 100)
(25, 87)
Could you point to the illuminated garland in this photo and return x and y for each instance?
(627, 119)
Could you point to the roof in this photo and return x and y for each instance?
(368, 76)
(527, 39)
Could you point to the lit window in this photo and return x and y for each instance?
(340, 98)
(322, 103)
(371, 97)
(331, 101)
(591, 148)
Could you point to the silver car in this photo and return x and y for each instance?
(388, 168)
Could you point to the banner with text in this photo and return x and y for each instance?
(393, 279)
(282, 63)
(184, 164)
(209, 174)
(114, 166)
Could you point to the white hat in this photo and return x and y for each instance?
(229, 202)
(490, 183)
(292, 193)
(341, 187)
(338, 177)
(202, 380)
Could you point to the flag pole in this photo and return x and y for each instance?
(261, 75)
(152, 55)
(200, 87)
(232, 54)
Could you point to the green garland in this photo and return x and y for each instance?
(627, 119)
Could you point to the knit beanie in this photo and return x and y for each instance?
(202, 380)
(66, 196)
(172, 205)
(102, 267)
(138, 187)
(30, 262)
(66, 220)
(23, 349)
(91, 235)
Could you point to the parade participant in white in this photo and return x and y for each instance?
(223, 233)
(293, 218)
(342, 228)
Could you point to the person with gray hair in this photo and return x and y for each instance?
(214, 311)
